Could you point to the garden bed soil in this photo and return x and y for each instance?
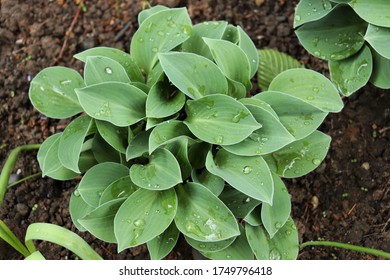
(346, 199)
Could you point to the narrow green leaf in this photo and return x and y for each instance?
(202, 216)
(373, 11)
(283, 246)
(143, 216)
(309, 86)
(249, 175)
(160, 246)
(219, 119)
(378, 38)
(115, 136)
(300, 157)
(118, 103)
(381, 71)
(8, 236)
(52, 92)
(160, 32)
(97, 179)
(194, 75)
(352, 73)
(155, 175)
(274, 217)
(309, 10)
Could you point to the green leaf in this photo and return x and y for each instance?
(352, 73)
(194, 75)
(373, 11)
(179, 148)
(155, 175)
(207, 29)
(274, 217)
(309, 86)
(238, 250)
(254, 217)
(239, 203)
(164, 100)
(336, 36)
(309, 10)
(78, 208)
(160, 32)
(98, 178)
(250, 50)
(52, 92)
(100, 69)
(113, 135)
(71, 142)
(300, 157)
(249, 175)
(378, 38)
(103, 152)
(299, 117)
(167, 132)
(214, 183)
(124, 59)
(121, 188)
(139, 145)
(202, 216)
(160, 246)
(49, 162)
(283, 246)
(209, 246)
(118, 103)
(144, 14)
(231, 59)
(100, 221)
(269, 138)
(231, 34)
(60, 236)
(272, 63)
(236, 89)
(219, 119)
(197, 154)
(381, 71)
(8, 236)
(144, 215)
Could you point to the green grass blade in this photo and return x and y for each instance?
(7, 235)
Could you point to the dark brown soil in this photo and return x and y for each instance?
(346, 199)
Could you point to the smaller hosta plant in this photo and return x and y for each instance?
(352, 35)
(168, 143)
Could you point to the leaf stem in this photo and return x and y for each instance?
(23, 179)
(345, 246)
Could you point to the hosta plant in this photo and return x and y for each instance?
(170, 143)
(353, 35)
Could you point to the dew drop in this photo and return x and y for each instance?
(316, 161)
(108, 70)
(316, 89)
(297, 17)
(76, 193)
(154, 50)
(310, 98)
(141, 40)
(219, 139)
(278, 225)
(274, 254)
(288, 232)
(247, 170)
(140, 223)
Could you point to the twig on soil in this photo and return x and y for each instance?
(122, 32)
(384, 130)
(350, 211)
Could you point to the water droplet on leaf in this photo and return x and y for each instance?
(108, 70)
(247, 170)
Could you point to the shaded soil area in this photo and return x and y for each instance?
(346, 199)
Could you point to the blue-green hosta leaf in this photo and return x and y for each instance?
(100, 69)
(236, 89)
(352, 73)
(166, 132)
(71, 142)
(269, 138)
(179, 148)
(152, 122)
(283, 246)
(336, 36)
(160, 246)
(254, 217)
(203, 216)
(231, 59)
(78, 208)
(160, 32)
(194, 75)
(300, 157)
(379, 38)
(249, 175)
(117, 137)
(231, 34)
(214, 183)
(209, 246)
(104, 152)
(155, 75)
(143, 216)
(309, 10)
(162, 172)
(240, 204)
(274, 217)
(299, 117)
(124, 59)
(100, 221)
(118, 103)
(250, 50)
(272, 63)
(49, 162)
(219, 119)
(197, 154)
(164, 100)
(98, 178)
(238, 250)
(259, 103)
(373, 11)
(139, 145)
(309, 86)
(381, 71)
(52, 92)
(144, 14)
(207, 29)
(121, 188)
